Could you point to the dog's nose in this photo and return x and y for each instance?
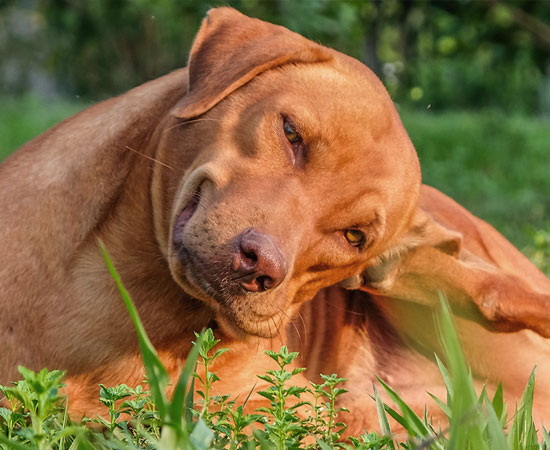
(258, 264)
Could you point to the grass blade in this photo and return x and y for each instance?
(523, 434)
(445, 408)
(382, 418)
(497, 438)
(157, 376)
(446, 379)
(467, 424)
(12, 444)
(181, 397)
(189, 401)
(412, 423)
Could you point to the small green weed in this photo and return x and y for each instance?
(37, 417)
(284, 427)
(325, 427)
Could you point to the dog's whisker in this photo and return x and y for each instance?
(156, 161)
(282, 311)
(303, 321)
(277, 331)
(270, 334)
(257, 339)
(335, 307)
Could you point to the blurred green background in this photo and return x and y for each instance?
(471, 80)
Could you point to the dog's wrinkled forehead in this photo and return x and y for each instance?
(348, 97)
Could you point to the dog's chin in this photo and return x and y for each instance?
(236, 324)
(244, 327)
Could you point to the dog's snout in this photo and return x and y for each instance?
(258, 264)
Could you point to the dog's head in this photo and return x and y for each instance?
(291, 169)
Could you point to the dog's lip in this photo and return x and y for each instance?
(185, 215)
(197, 282)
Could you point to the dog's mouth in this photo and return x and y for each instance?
(235, 315)
(194, 272)
(195, 284)
(185, 215)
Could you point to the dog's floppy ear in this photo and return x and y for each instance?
(230, 49)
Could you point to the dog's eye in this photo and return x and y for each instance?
(298, 148)
(291, 134)
(354, 237)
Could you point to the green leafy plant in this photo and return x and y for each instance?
(326, 427)
(228, 422)
(284, 427)
(36, 415)
(207, 343)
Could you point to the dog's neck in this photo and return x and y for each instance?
(128, 234)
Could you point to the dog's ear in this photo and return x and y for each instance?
(230, 49)
(423, 231)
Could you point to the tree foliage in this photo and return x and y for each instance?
(458, 54)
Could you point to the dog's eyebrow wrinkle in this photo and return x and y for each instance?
(186, 122)
(362, 207)
(319, 268)
(357, 206)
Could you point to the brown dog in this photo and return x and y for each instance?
(236, 190)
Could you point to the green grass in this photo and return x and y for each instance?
(194, 419)
(22, 119)
(495, 165)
